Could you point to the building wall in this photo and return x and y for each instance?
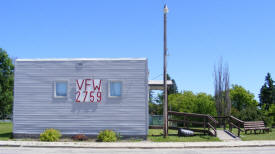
(36, 109)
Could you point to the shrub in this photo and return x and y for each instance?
(50, 135)
(80, 137)
(107, 136)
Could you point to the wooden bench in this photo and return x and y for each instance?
(255, 125)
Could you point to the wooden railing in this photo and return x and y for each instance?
(232, 121)
(207, 122)
(235, 122)
(222, 120)
(202, 120)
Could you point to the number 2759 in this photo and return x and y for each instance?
(88, 96)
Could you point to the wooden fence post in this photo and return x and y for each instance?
(230, 126)
(224, 123)
(239, 129)
(184, 122)
(204, 125)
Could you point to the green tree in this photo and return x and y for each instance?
(244, 105)
(6, 83)
(268, 115)
(251, 113)
(155, 104)
(205, 104)
(155, 108)
(184, 102)
(267, 94)
(192, 103)
(271, 114)
(173, 89)
(241, 98)
(152, 105)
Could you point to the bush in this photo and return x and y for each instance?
(80, 137)
(50, 135)
(107, 136)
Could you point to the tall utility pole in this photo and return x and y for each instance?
(165, 106)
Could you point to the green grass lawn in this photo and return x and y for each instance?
(5, 130)
(155, 135)
(252, 136)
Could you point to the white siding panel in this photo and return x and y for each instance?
(35, 108)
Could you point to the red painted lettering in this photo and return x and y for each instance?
(86, 93)
(98, 97)
(79, 87)
(77, 97)
(86, 83)
(97, 86)
(92, 98)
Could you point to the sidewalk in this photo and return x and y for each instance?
(140, 145)
(224, 136)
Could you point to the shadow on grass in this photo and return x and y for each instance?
(6, 135)
(206, 136)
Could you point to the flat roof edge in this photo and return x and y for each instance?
(79, 59)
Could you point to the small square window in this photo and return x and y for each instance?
(115, 88)
(61, 88)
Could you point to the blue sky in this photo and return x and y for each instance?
(200, 32)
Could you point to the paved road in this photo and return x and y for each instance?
(23, 150)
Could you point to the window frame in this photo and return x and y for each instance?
(109, 88)
(67, 92)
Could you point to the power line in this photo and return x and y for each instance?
(157, 76)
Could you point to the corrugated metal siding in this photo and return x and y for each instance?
(36, 109)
